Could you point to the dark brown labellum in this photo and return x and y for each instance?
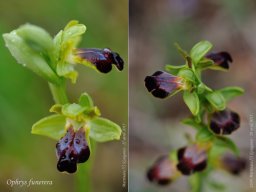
(191, 159)
(224, 122)
(221, 59)
(162, 84)
(102, 58)
(72, 149)
(233, 164)
(162, 171)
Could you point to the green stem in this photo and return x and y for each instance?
(59, 92)
(83, 177)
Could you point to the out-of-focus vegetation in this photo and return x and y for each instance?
(25, 98)
(154, 124)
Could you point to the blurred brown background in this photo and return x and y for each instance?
(25, 98)
(154, 27)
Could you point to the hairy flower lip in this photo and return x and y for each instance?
(162, 171)
(101, 58)
(224, 122)
(221, 59)
(162, 84)
(72, 149)
(191, 159)
(67, 161)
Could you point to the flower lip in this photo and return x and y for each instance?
(224, 122)
(221, 59)
(233, 164)
(101, 58)
(162, 171)
(191, 159)
(162, 84)
(72, 149)
(81, 146)
(67, 161)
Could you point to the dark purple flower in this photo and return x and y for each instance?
(220, 59)
(224, 122)
(162, 84)
(191, 159)
(72, 149)
(101, 58)
(162, 171)
(233, 164)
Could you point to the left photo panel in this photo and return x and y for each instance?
(64, 96)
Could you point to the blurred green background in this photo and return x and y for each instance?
(154, 127)
(25, 98)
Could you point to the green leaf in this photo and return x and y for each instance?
(199, 51)
(204, 135)
(72, 110)
(174, 69)
(52, 126)
(226, 143)
(216, 100)
(192, 101)
(102, 130)
(231, 92)
(85, 100)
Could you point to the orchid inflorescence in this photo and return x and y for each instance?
(211, 118)
(54, 59)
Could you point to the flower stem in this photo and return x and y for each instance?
(83, 181)
(59, 92)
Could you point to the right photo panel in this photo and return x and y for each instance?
(192, 93)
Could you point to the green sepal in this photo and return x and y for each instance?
(226, 143)
(199, 50)
(52, 126)
(85, 100)
(57, 108)
(28, 57)
(182, 52)
(103, 130)
(67, 70)
(204, 135)
(174, 69)
(230, 92)
(38, 40)
(65, 42)
(187, 74)
(204, 63)
(217, 100)
(192, 101)
(191, 121)
(201, 88)
(72, 110)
